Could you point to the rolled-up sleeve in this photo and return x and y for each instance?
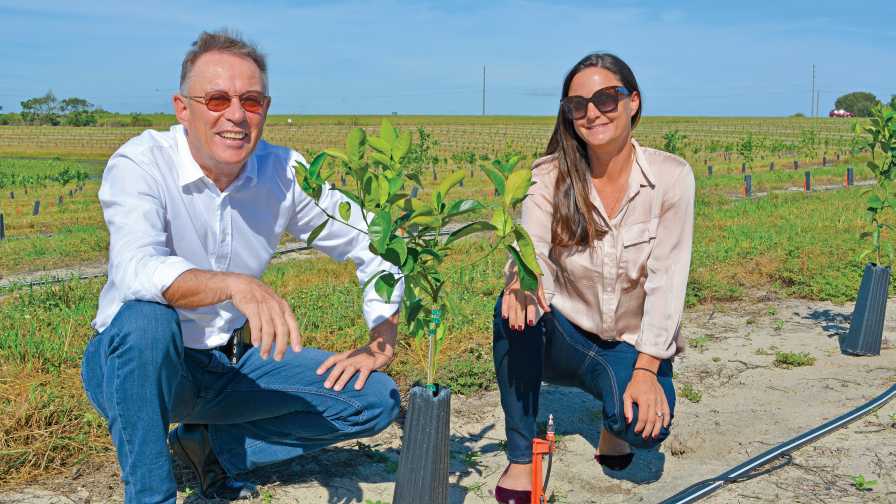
(667, 270)
(342, 242)
(141, 263)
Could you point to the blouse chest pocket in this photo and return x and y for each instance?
(637, 243)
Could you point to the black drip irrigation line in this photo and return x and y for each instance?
(781, 454)
(88, 276)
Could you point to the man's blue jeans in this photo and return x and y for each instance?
(138, 374)
(556, 351)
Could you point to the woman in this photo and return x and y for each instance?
(612, 224)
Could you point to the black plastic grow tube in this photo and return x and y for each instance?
(744, 472)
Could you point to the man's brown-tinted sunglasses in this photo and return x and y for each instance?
(218, 101)
(606, 100)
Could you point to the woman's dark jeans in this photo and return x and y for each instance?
(556, 351)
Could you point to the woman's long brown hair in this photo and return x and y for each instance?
(574, 222)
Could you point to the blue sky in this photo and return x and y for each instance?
(344, 57)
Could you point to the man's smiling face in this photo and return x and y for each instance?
(221, 142)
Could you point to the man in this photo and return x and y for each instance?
(194, 216)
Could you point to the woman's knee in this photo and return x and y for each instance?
(626, 432)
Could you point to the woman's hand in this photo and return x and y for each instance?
(653, 409)
(518, 306)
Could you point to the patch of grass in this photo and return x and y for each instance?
(690, 393)
(789, 360)
(698, 343)
(861, 484)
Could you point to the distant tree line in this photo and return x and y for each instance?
(49, 110)
(860, 103)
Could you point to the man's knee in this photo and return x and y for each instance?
(382, 404)
(146, 327)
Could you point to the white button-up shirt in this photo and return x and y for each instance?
(166, 217)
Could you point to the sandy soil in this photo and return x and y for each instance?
(748, 405)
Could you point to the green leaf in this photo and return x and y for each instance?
(874, 201)
(449, 182)
(395, 198)
(314, 167)
(336, 154)
(380, 145)
(381, 158)
(412, 309)
(528, 279)
(497, 179)
(460, 207)
(370, 190)
(517, 186)
(383, 184)
(380, 231)
(301, 171)
(432, 253)
(345, 211)
(410, 263)
(385, 285)
(354, 145)
(396, 252)
(388, 133)
(402, 146)
(316, 232)
(526, 248)
(502, 222)
(471, 228)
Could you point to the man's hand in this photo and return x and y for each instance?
(365, 360)
(271, 320)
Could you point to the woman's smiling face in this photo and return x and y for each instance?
(597, 128)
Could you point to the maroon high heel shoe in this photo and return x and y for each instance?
(508, 496)
(615, 462)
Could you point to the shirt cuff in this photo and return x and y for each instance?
(376, 310)
(166, 273)
(656, 349)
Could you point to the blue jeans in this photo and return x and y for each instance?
(556, 351)
(138, 374)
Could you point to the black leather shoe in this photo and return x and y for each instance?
(189, 443)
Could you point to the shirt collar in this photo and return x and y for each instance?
(189, 170)
(645, 178)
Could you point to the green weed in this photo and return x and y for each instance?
(861, 484)
(698, 343)
(690, 393)
(789, 360)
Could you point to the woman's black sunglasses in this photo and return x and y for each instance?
(606, 100)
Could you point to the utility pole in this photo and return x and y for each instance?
(483, 89)
(817, 99)
(811, 102)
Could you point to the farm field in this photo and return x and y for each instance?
(789, 245)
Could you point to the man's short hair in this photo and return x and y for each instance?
(227, 41)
